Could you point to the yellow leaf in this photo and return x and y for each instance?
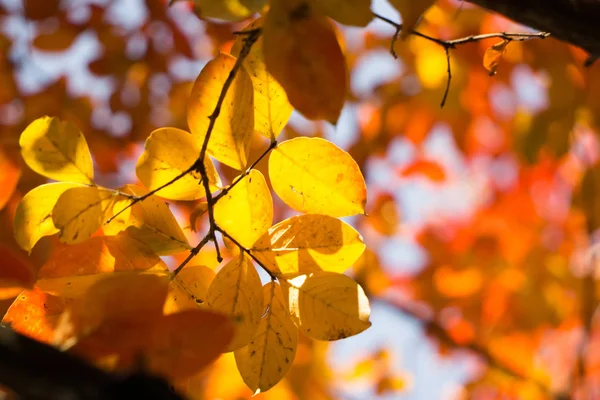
(347, 12)
(313, 175)
(150, 221)
(33, 218)
(272, 110)
(269, 356)
(302, 52)
(327, 305)
(246, 211)
(230, 10)
(237, 292)
(410, 11)
(492, 56)
(308, 243)
(80, 211)
(189, 289)
(230, 138)
(57, 150)
(169, 152)
(71, 270)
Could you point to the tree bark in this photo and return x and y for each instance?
(573, 21)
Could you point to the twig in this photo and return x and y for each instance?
(247, 251)
(441, 333)
(193, 253)
(448, 45)
(246, 172)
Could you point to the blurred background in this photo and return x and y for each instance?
(481, 265)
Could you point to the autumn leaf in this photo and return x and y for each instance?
(169, 152)
(493, 55)
(347, 12)
(80, 211)
(35, 314)
(302, 52)
(57, 150)
(149, 221)
(430, 169)
(230, 10)
(247, 209)
(410, 11)
(71, 270)
(16, 273)
(236, 291)
(272, 110)
(33, 218)
(313, 175)
(327, 306)
(269, 356)
(189, 289)
(308, 243)
(230, 138)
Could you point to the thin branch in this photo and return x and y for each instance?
(448, 45)
(247, 251)
(193, 253)
(441, 334)
(246, 172)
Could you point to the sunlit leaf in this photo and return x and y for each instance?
(80, 211)
(237, 292)
(35, 314)
(327, 305)
(189, 289)
(269, 356)
(33, 219)
(493, 55)
(71, 270)
(168, 153)
(57, 150)
(302, 52)
(272, 110)
(150, 221)
(230, 138)
(246, 211)
(309, 243)
(313, 175)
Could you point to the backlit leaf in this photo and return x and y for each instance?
(80, 211)
(230, 10)
(410, 11)
(246, 211)
(272, 110)
(182, 344)
(33, 218)
(269, 356)
(230, 138)
(35, 314)
(150, 221)
(309, 243)
(57, 150)
(237, 291)
(71, 270)
(302, 52)
(313, 175)
(109, 305)
(327, 305)
(169, 152)
(347, 12)
(188, 290)
(493, 55)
